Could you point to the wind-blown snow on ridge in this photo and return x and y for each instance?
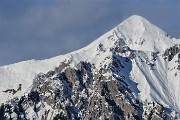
(154, 75)
(24, 72)
(140, 34)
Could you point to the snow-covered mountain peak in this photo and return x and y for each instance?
(140, 34)
(139, 25)
(136, 54)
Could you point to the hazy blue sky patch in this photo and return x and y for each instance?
(39, 29)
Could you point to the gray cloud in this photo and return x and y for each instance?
(45, 28)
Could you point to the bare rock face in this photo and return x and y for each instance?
(84, 92)
(79, 93)
(171, 52)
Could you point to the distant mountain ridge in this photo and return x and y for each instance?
(131, 72)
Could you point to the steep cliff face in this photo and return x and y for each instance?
(82, 93)
(131, 72)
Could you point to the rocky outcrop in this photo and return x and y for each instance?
(171, 52)
(13, 91)
(80, 93)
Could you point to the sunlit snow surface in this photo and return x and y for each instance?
(156, 83)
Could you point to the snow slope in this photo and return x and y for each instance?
(156, 83)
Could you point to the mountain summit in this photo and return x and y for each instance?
(140, 34)
(131, 72)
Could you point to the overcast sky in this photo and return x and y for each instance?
(39, 29)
